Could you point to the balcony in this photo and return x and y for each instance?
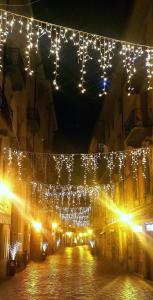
(138, 126)
(14, 68)
(33, 118)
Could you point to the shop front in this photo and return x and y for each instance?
(5, 221)
(149, 252)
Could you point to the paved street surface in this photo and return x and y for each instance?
(74, 274)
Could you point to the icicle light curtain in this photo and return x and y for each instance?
(86, 44)
(98, 173)
(87, 166)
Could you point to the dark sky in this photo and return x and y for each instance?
(76, 114)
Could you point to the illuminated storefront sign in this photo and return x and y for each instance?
(137, 228)
(149, 227)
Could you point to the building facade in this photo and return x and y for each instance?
(27, 123)
(126, 123)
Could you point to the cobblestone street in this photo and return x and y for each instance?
(74, 273)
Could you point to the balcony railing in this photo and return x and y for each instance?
(14, 67)
(138, 126)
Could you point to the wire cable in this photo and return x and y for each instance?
(113, 152)
(20, 5)
(74, 30)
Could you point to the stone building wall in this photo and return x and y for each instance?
(26, 133)
(118, 241)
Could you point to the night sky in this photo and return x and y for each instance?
(76, 114)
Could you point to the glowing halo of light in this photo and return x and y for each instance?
(37, 226)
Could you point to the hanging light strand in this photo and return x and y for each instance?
(68, 29)
(82, 54)
(106, 54)
(135, 156)
(149, 67)
(57, 47)
(58, 165)
(29, 46)
(146, 153)
(121, 156)
(4, 29)
(1, 43)
(130, 54)
(105, 46)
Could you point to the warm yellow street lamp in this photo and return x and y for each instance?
(37, 226)
(90, 231)
(54, 226)
(4, 189)
(125, 218)
(69, 233)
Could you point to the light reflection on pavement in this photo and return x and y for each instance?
(74, 274)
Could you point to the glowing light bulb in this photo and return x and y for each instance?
(69, 233)
(37, 226)
(54, 226)
(90, 231)
(125, 218)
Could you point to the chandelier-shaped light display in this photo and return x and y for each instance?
(56, 196)
(86, 45)
(79, 216)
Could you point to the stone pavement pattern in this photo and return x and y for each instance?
(74, 274)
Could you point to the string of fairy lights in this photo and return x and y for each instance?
(52, 195)
(79, 216)
(89, 164)
(86, 45)
(73, 202)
